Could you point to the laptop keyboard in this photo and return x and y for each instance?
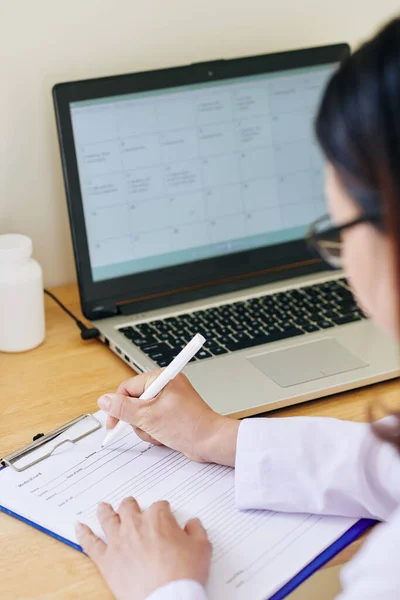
(261, 320)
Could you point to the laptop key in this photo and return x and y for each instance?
(256, 332)
(209, 343)
(136, 339)
(330, 314)
(181, 332)
(172, 341)
(241, 317)
(157, 356)
(272, 329)
(197, 322)
(256, 313)
(360, 313)
(208, 335)
(265, 339)
(130, 333)
(163, 363)
(177, 342)
(144, 328)
(242, 335)
(186, 320)
(324, 324)
(225, 333)
(125, 329)
(285, 326)
(164, 336)
(148, 340)
(347, 319)
(217, 350)
(202, 354)
(218, 329)
(238, 327)
(158, 347)
(171, 320)
(314, 315)
(161, 327)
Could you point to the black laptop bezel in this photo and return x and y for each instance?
(190, 281)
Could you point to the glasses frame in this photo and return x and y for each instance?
(314, 239)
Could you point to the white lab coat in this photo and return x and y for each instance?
(323, 466)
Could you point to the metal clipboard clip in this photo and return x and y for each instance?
(42, 448)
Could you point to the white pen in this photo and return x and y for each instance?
(162, 380)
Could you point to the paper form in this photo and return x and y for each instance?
(254, 552)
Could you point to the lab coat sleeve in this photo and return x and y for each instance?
(316, 465)
(374, 573)
(184, 589)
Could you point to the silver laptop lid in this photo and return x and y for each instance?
(192, 175)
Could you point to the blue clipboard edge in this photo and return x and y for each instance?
(40, 528)
(52, 534)
(340, 544)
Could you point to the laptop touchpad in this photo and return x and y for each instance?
(306, 362)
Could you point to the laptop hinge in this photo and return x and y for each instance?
(103, 312)
(202, 292)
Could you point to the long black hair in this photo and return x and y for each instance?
(358, 129)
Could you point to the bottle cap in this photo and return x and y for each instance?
(15, 248)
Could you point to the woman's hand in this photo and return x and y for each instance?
(178, 418)
(146, 550)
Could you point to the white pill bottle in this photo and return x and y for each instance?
(22, 325)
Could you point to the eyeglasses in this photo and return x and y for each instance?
(325, 238)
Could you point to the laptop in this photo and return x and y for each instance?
(189, 191)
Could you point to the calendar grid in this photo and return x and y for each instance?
(169, 178)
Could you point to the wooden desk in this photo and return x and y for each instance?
(50, 385)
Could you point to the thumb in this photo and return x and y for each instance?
(111, 422)
(194, 528)
(120, 407)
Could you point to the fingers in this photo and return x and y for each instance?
(93, 546)
(109, 519)
(137, 385)
(160, 506)
(111, 423)
(129, 509)
(160, 514)
(194, 528)
(120, 407)
(123, 387)
(146, 437)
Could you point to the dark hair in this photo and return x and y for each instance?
(358, 129)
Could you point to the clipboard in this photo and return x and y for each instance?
(44, 446)
(41, 448)
(322, 559)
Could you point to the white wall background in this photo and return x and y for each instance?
(43, 42)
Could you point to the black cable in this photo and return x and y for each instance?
(87, 333)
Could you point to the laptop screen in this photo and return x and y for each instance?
(187, 173)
